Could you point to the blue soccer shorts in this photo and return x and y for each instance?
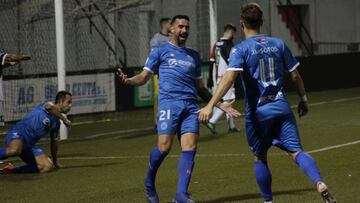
(177, 117)
(29, 152)
(279, 131)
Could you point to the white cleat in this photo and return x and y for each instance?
(325, 194)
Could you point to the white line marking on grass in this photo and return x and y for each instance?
(334, 147)
(205, 155)
(332, 101)
(109, 120)
(119, 132)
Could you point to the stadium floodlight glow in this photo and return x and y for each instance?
(60, 54)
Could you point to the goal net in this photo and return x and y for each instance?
(99, 36)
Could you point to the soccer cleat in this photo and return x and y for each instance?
(151, 195)
(325, 194)
(7, 168)
(233, 130)
(182, 198)
(211, 127)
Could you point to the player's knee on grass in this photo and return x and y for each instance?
(44, 164)
(44, 168)
(13, 151)
(14, 148)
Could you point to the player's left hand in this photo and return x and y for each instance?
(67, 122)
(302, 108)
(228, 109)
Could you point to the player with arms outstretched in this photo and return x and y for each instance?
(22, 138)
(179, 86)
(262, 61)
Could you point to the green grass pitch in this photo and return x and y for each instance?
(106, 161)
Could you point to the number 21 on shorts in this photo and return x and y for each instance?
(164, 115)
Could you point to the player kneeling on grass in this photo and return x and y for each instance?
(21, 139)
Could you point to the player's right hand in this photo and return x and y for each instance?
(123, 78)
(205, 113)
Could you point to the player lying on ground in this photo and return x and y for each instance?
(262, 62)
(180, 84)
(22, 138)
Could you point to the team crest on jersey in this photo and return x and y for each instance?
(261, 40)
(163, 126)
(46, 121)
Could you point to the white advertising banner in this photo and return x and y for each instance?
(91, 93)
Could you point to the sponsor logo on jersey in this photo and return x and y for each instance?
(174, 62)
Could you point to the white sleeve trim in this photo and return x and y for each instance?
(294, 67)
(148, 69)
(3, 59)
(212, 59)
(234, 69)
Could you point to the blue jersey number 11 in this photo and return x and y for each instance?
(271, 72)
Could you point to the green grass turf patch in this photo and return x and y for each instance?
(111, 167)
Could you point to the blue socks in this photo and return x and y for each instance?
(3, 153)
(263, 174)
(186, 165)
(26, 169)
(156, 158)
(308, 166)
(263, 179)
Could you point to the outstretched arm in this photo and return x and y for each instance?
(54, 137)
(300, 89)
(206, 96)
(54, 110)
(224, 86)
(137, 80)
(12, 59)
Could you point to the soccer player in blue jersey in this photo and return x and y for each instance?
(22, 138)
(262, 61)
(179, 86)
(159, 38)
